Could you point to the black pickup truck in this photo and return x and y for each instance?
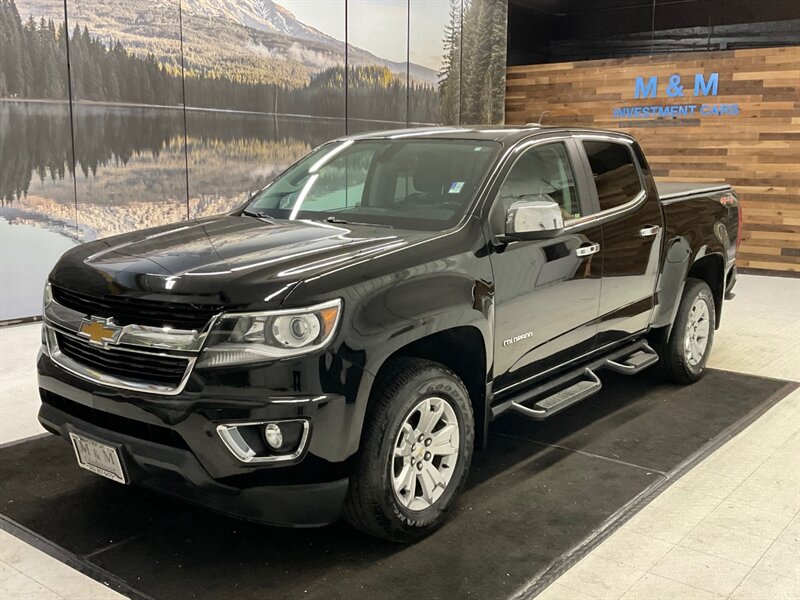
(339, 345)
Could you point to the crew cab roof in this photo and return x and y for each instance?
(506, 134)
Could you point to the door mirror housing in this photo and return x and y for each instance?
(533, 220)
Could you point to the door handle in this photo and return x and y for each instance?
(649, 231)
(587, 249)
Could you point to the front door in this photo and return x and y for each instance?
(546, 291)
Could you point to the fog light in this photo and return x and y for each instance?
(266, 441)
(273, 435)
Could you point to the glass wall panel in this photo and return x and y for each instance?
(377, 61)
(127, 96)
(37, 199)
(435, 46)
(483, 62)
(264, 85)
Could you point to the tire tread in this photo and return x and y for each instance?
(672, 363)
(360, 508)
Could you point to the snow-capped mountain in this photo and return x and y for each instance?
(257, 40)
(261, 15)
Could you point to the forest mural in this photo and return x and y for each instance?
(174, 109)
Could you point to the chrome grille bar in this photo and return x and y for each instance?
(104, 362)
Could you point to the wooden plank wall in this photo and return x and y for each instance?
(756, 151)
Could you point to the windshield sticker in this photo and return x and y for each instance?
(455, 187)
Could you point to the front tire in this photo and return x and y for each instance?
(683, 357)
(415, 452)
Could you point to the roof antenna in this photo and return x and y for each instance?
(539, 122)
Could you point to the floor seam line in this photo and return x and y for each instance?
(71, 559)
(680, 545)
(130, 538)
(31, 577)
(694, 587)
(30, 438)
(703, 520)
(41, 583)
(587, 454)
(723, 500)
(757, 468)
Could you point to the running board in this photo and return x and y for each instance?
(560, 400)
(635, 362)
(577, 384)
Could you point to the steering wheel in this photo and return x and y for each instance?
(456, 206)
(416, 198)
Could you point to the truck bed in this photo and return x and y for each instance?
(670, 190)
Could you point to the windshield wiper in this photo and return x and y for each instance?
(259, 214)
(343, 222)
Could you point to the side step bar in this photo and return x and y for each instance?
(633, 363)
(562, 399)
(554, 395)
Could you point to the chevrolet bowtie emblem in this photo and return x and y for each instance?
(100, 331)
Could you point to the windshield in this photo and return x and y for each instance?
(406, 183)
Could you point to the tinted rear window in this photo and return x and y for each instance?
(615, 174)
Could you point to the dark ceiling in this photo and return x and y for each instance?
(553, 30)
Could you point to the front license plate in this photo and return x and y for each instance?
(98, 458)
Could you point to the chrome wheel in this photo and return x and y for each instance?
(698, 327)
(425, 453)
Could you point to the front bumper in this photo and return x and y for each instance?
(177, 472)
(172, 444)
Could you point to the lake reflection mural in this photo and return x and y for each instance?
(144, 134)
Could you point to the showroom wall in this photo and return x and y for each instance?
(149, 112)
(712, 116)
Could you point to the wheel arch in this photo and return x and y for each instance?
(711, 269)
(464, 349)
(448, 348)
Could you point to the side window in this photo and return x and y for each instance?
(543, 173)
(615, 174)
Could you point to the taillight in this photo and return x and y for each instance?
(739, 229)
(731, 200)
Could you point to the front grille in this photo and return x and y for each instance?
(131, 366)
(133, 311)
(123, 425)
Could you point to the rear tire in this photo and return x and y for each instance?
(415, 452)
(683, 357)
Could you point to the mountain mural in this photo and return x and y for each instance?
(175, 109)
(257, 41)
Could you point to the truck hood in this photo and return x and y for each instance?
(231, 260)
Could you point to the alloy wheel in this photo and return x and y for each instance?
(697, 329)
(425, 453)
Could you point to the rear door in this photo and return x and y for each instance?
(546, 291)
(632, 232)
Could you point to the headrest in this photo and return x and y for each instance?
(530, 166)
(429, 173)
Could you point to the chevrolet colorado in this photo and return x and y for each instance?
(339, 345)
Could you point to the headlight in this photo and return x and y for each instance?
(46, 299)
(245, 338)
(48, 295)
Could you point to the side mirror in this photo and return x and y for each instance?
(533, 220)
